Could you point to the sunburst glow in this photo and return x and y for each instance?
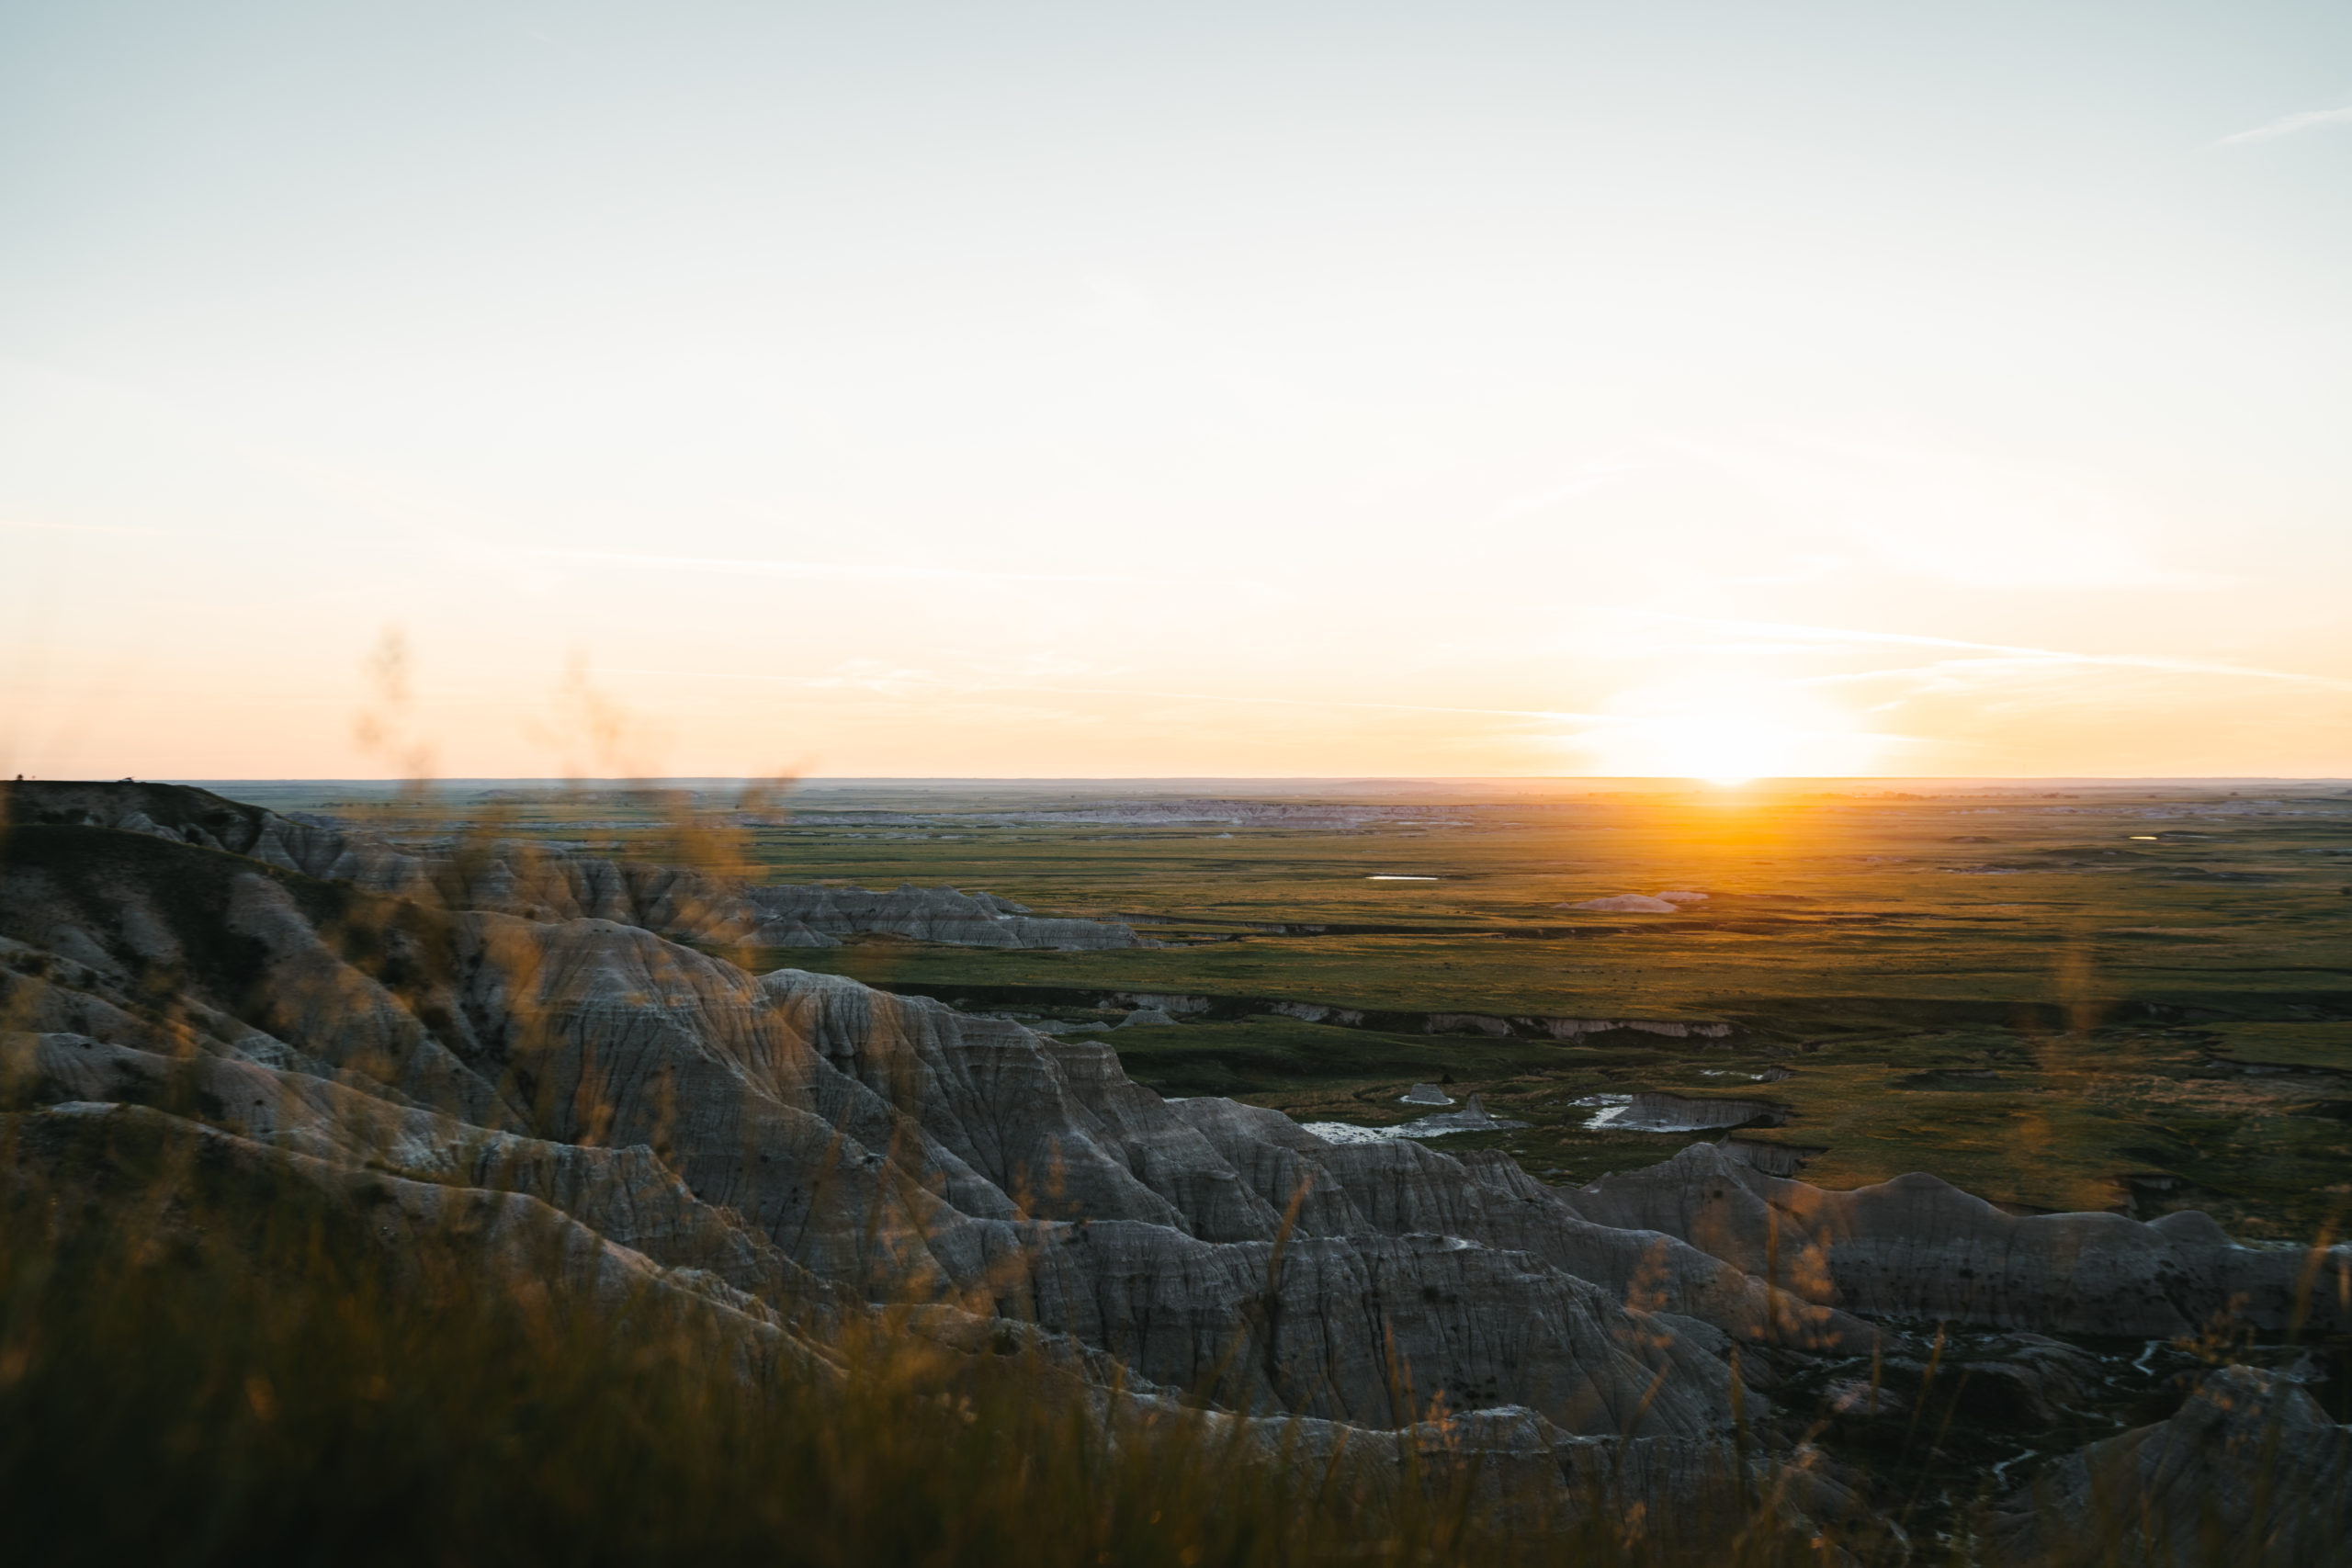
(1730, 732)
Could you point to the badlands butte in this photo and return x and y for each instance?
(1949, 1165)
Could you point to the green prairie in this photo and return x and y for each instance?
(2061, 997)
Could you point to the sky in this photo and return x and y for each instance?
(1047, 390)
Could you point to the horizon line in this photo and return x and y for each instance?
(789, 780)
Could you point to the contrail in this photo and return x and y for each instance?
(2287, 125)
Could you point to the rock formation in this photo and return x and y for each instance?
(776, 1146)
(1916, 1247)
(2250, 1470)
(1474, 1117)
(1660, 1112)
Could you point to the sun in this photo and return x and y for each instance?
(1726, 733)
(1720, 747)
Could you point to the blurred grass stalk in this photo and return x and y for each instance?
(201, 1360)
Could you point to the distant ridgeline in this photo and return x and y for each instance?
(514, 877)
(505, 1051)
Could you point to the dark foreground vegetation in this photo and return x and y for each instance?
(201, 1363)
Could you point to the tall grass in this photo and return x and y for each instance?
(202, 1361)
(207, 1359)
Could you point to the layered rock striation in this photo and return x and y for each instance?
(1918, 1249)
(2250, 1470)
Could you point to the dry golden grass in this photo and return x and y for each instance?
(203, 1363)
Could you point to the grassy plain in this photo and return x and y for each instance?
(2079, 996)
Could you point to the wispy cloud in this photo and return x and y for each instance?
(1583, 479)
(2287, 125)
(918, 683)
(99, 528)
(1786, 632)
(880, 571)
(1946, 512)
(1854, 496)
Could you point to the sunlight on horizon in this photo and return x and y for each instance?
(1728, 730)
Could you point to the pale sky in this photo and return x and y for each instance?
(1208, 389)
